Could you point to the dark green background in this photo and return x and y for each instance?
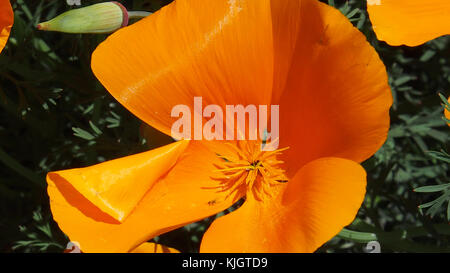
(54, 115)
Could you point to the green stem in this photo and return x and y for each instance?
(25, 9)
(138, 14)
(398, 239)
(357, 236)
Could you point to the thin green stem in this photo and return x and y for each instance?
(138, 14)
(357, 236)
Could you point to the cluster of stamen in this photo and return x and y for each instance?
(251, 169)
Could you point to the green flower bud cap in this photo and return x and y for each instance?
(99, 18)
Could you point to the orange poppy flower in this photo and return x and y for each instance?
(306, 57)
(6, 22)
(409, 22)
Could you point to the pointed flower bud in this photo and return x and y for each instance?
(99, 18)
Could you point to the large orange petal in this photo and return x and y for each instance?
(322, 198)
(337, 98)
(409, 22)
(184, 195)
(6, 22)
(154, 248)
(219, 50)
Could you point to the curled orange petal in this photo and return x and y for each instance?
(116, 186)
(185, 194)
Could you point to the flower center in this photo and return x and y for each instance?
(251, 169)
